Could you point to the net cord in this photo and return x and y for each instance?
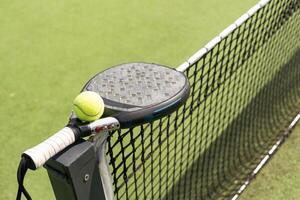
(211, 44)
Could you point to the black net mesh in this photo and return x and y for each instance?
(244, 94)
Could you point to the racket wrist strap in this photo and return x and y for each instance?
(22, 169)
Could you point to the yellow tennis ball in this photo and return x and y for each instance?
(88, 106)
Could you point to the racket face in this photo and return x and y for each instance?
(136, 93)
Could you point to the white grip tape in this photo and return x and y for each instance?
(45, 150)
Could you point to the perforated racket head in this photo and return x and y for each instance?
(136, 93)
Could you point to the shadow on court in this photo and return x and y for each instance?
(221, 169)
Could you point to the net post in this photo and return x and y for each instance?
(74, 173)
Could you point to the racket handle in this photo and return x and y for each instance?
(48, 148)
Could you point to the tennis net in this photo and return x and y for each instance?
(245, 93)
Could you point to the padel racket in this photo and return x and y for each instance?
(133, 94)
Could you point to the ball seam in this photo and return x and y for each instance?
(85, 112)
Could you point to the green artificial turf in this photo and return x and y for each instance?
(49, 49)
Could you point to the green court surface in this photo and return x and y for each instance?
(49, 49)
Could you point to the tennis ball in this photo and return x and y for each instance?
(88, 106)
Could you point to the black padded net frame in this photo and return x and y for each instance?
(245, 94)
